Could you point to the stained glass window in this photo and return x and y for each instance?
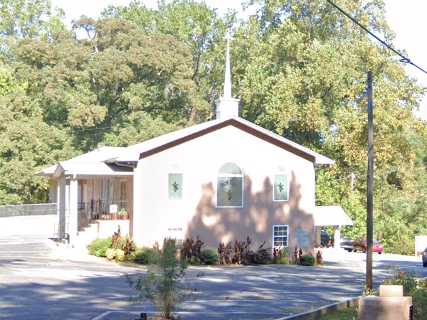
(281, 187)
(175, 185)
(230, 186)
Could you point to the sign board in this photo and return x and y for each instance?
(303, 238)
(113, 208)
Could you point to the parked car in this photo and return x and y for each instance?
(324, 238)
(360, 246)
(424, 256)
(377, 247)
(347, 244)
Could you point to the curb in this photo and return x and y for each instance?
(308, 315)
(317, 313)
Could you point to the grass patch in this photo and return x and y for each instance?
(346, 314)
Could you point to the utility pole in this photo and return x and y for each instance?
(370, 184)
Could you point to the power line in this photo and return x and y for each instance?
(404, 59)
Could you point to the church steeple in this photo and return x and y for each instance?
(227, 78)
(228, 107)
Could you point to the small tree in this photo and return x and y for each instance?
(163, 283)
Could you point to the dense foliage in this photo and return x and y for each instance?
(413, 287)
(299, 68)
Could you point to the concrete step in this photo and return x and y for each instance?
(86, 236)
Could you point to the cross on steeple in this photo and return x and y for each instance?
(228, 107)
(227, 77)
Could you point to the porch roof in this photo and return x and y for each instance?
(91, 163)
(331, 216)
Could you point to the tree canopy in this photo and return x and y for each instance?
(299, 69)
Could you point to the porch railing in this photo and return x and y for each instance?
(101, 210)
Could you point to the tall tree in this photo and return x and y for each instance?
(195, 24)
(302, 70)
(29, 18)
(110, 84)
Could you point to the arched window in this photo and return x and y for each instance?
(230, 186)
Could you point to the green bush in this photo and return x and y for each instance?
(307, 260)
(281, 260)
(163, 283)
(120, 255)
(110, 253)
(209, 256)
(146, 256)
(419, 301)
(415, 288)
(281, 256)
(98, 247)
(404, 279)
(194, 261)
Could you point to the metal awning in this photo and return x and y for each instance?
(331, 216)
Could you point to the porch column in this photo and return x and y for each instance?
(337, 237)
(60, 207)
(74, 212)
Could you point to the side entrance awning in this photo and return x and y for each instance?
(331, 216)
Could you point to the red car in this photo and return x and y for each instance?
(377, 247)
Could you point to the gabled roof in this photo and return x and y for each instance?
(108, 160)
(149, 147)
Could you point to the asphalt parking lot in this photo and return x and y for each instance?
(38, 281)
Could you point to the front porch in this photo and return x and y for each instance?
(101, 205)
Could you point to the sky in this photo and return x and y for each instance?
(405, 17)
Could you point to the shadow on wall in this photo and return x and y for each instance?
(256, 218)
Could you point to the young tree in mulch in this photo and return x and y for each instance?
(163, 284)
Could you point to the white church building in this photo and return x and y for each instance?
(221, 180)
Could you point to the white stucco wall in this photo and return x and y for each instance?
(199, 160)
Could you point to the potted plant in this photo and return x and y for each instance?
(123, 214)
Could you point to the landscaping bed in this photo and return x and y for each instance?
(192, 251)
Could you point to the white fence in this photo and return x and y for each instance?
(28, 210)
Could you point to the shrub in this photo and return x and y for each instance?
(261, 256)
(209, 256)
(120, 255)
(194, 261)
(123, 243)
(146, 255)
(412, 287)
(404, 279)
(191, 250)
(111, 253)
(241, 253)
(419, 301)
(163, 285)
(99, 247)
(307, 260)
(281, 256)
